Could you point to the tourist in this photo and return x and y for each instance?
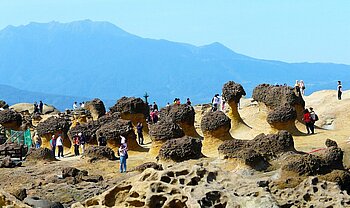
(102, 141)
(36, 108)
(222, 104)
(314, 118)
(188, 102)
(123, 141)
(178, 101)
(41, 106)
(59, 144)
(302, 87)
(297, 88)
(139, 128)
(155, 106)
(340, 90)
(82, 142)
(76, 142)
(53, 145)
(308, 121)
(37, 140)
(215, 102)
(82, 104)
(123, 155)
(155, 116)
(75, 106)
(167, 105)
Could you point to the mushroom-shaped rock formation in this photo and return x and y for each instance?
(29, 107)
(232, 93)
(216, 129)
(96, 108)
(283, 106)
(98, 152)
(3, 104)
(181, 149)
(54, 126)
(114, 129)
(133, 109)
(161, 132)
(183, 115)
(257, 152)
(10, 119)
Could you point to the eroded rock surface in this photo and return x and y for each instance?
(10, 119)
(41, 154)
(98, 152)
(96, 108)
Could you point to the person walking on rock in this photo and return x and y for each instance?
(123, 156)
(82, 142)
(139, 128)
(53, 145)
(76, 142)
(102, 141)
(308, 121)
(215, 102)
(59, 144)
(339, 90)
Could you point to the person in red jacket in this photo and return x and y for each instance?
(308, 121)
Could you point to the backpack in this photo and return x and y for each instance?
(316, 117)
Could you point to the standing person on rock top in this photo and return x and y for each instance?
(41, 107)
(339, 90)
(139, 128)
(36, 108)
(75, 106)
(102, 141)
(308, 121)
(59, 144)
(188, 102)
(297, 88)
(155, 106)
(215, 102)
(53, 145)
(302, 87)
(82, 142)
(123, 156)
(76, 142)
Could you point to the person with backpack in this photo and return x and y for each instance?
(82, 142)
(314, 118)
(123, 156)
(76, 142)
(102, 141)
(139, 128)
(308, 121)
(59, 143)
(53, 145)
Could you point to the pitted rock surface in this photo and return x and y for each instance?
(130, 105)
(233, 92)
(96, 107)
(99, 152)
(178, 113)
(181, 149)
(165, 129)
(282, 114)
(331, 143)
(10, 116)
(52, 125)
(212, 121)
(116, 128)
(148, 165)
(40, 154)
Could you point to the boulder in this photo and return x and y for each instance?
(331, 143)
(7, 163)
(161, 132)
(148, 165)
(73, 172)
(181, 149)
(183, 115)
(341, 177)
(96, 108)
(8, 200)
(10, 119)
(37, 202)
(216, 129)
(20, 194)
(41, 154)
(232, 93)
(99, 152)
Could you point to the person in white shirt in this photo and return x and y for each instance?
(59, 144)
(123, 155)
(75, 106)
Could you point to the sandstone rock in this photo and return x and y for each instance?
(183, 115)
(29, 107)
(72, 172)
(212, 121)
(10, 119)
(92, 179)
(232, 92)
(20, 194)
(40, 154)
(130, 105)
(165, 130)
(98, 152)
(181, 149)
(53, 125)
(147, 165)
(96, 107)
(7, 200)
(341, 177)
(41, 203)
(281, 114)
(331, 143)
(3, 104)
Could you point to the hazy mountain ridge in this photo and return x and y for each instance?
(98, 59)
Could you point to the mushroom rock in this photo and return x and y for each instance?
(133, 109)
(259, 151)
(183, 115)
(181, 149)
(10, 119)
(283, 118)
(112, 130)
(161, 132)
(274, 96)
(54, 126)
(216, 129)
(3, 104)
(96, 108)
(232, 93)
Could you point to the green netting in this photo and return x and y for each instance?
(21, 137)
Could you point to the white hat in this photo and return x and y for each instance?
(80, 134)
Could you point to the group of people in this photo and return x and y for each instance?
(300, 87)
(80, 106)
(310, 117)
(38, 108)
(218, 103)
(79, 141)
(57, 142)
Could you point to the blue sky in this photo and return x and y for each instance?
(286, 30)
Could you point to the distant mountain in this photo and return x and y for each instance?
(98, 59)
(13, 95)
